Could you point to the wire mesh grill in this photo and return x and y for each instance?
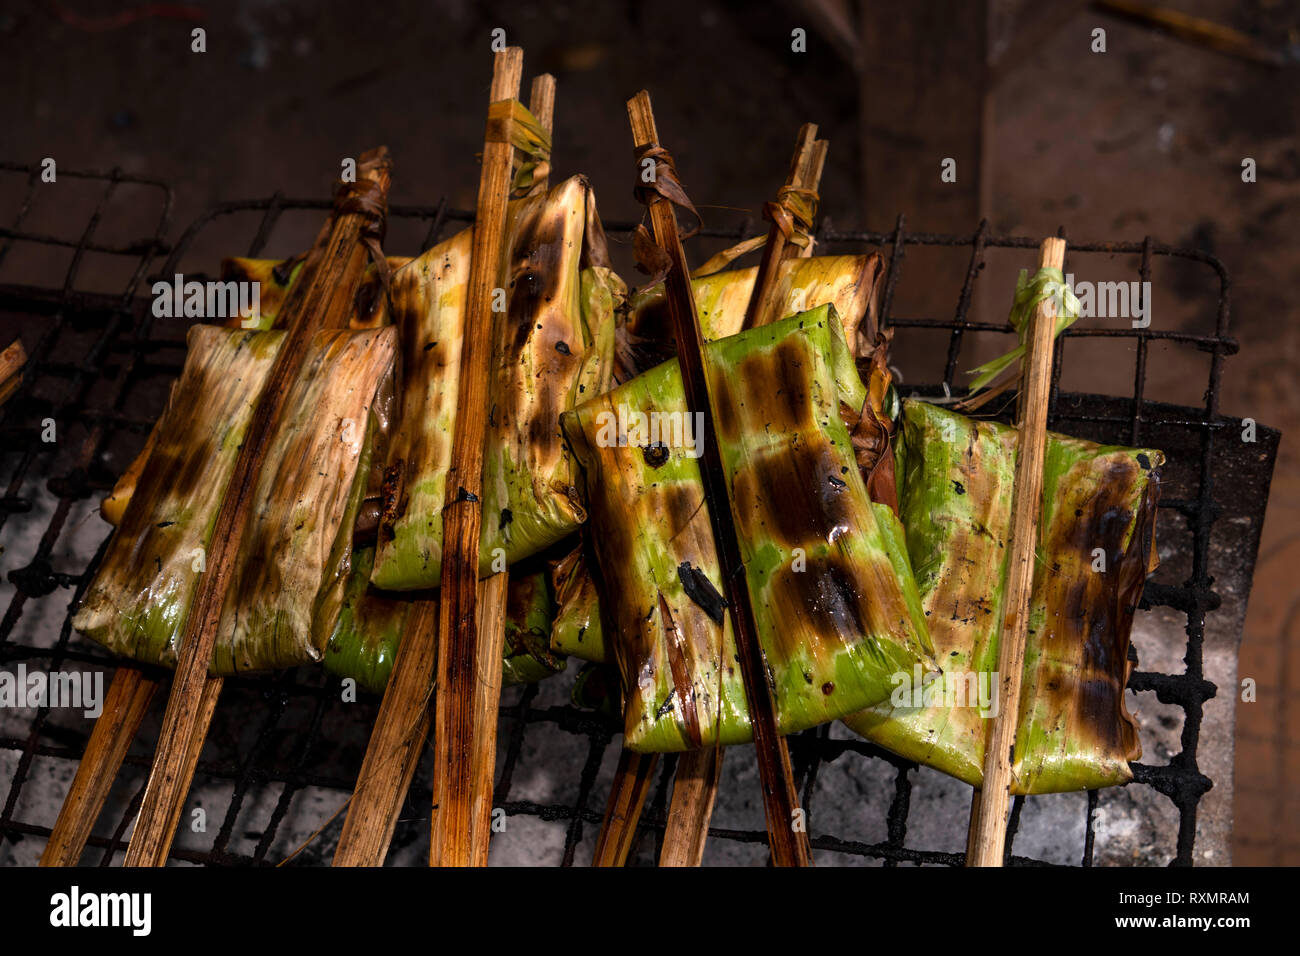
(108, 392)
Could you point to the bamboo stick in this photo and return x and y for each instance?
(396, 743)
(761, 302)
(699, 772)
(12, 360)
(627, 797)
(321, 299)
(789, 843)
(460, 657)
(695, 786)
(492, 599)
(402, 725)
(125, 704)
(987, 838)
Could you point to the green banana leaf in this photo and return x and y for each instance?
(553, 346)
(576, 631)
(955, 490)
(849, 283)
(826, 569)
(369, 626)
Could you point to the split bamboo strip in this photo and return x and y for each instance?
(788, 839)
(460, 657)
(695, 786)
(12, 360)
(627, 796)
(127, 701)
(322, 298)
(402, 725)
(698, 772)
(492, 600)
(988, 832)
(761, 299)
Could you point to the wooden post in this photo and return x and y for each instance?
(331, 276)
(780, 800)
(462, 657)
(987, 842)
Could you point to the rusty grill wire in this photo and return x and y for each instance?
(127, 352)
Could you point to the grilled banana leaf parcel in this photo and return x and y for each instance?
(955, 489)
(837, 609)
(275, 277)
(294, 555)
(553, 346)
(849, 283)
(369, 629)
(576, 631)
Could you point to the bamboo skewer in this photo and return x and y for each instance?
(627, 797)
(127, 701)
(780, 801)
(12, 360)
(457, 789)
(695, 787)
(492, 619)
(761, 300)
(695, 784)
(988, 830)
(402, 725)
(331, 276)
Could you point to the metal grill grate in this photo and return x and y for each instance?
(113, 387)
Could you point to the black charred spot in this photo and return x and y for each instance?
(700, 589)
(825, 598)
(429, 345)
(1144, 461)
(958, 487)
(507, 516)
(655, 454)
(164, 524)
(794, 494)
(562, 348)
(464, 494)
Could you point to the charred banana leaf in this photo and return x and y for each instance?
(849, 283)
(577, 631)
(369, 629)
(838, 613)
(553, 347)
(955, 480)
(530, 610)
(275, 277)
(295, 555)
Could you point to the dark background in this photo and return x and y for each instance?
(1145, 139)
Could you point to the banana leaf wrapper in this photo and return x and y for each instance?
(956, 482)
(553, 346)
(827, 569)
(530, 610)
(849, 283)
(294, 556)
(369, 627)
(577, 630)
(275, 277)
